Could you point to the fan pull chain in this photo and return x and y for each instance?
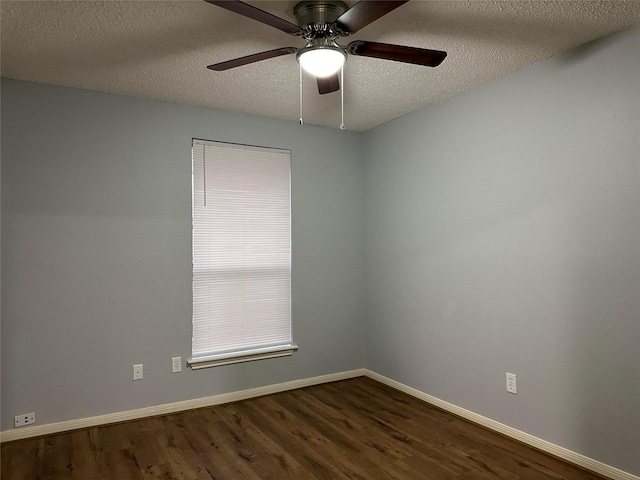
(301, 121)
(342, 126)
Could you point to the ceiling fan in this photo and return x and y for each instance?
(322, 23)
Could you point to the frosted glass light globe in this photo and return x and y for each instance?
(322, 62)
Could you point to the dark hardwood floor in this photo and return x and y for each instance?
(353, 429)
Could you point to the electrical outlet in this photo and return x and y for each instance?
(512, 383)
(25, 419)
(176, 364)
(137, 372)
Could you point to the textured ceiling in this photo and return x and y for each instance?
(160, 50)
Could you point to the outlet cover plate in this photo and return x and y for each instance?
(176, 364)
(512, 383)
(24, 419)
(137, 372)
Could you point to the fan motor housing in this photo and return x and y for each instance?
(310, 12)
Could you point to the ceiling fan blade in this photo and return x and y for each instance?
(365, 12)
(256, 57)
(328, 84)
(257, 14)
(398, 53)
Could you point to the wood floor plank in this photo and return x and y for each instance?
(491, 446)
(356, 429)
(270, 456)
(83, 455)
(347, 447)
(303, 443)
(202, 434)
(377, 444)
(432, 449)
(181, 458)
(488, 450)
(24, 458)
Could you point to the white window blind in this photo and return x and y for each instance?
(241, 253)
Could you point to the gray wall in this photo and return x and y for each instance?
(502, 234)
(96, 251)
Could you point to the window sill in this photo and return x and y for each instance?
(242, 356)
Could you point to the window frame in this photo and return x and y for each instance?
(247, 352)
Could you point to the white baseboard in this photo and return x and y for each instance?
(561, 452)
(47, 429)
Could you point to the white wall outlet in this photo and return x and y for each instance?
(25, 419)
(137, 372)
(176, 364)
(512, 383)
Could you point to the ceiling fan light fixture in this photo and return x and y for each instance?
(322, 61)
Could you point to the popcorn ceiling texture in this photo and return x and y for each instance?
(160, 50)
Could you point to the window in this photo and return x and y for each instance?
(241, 254)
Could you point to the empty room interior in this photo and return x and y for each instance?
(476, 218)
